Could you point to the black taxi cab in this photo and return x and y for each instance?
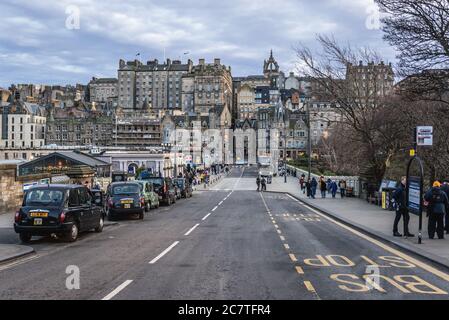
(123, 199)
(62, 210)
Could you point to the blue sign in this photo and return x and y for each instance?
(414, 195)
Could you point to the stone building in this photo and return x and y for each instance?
(370, 82)
(103, 89)
(79, 125)
(22, 125)
(156, 84)
(213, 85)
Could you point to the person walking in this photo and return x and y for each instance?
(342, 185)
(258, 183)
(263, 182)
(399, 196)
(436, 210)
(323, 187)
(313, 187)
(309, 189)
(445, 189)
(333, 189)
(301, 184)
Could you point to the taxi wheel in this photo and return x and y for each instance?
(100, 225)
(25, 237)
(72, 236)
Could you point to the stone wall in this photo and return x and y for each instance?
(10, 189)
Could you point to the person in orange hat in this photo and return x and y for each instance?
(437, 209)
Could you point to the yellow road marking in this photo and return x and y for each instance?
(299, 270)
(309, 286)
(398, 253)
(293, 257)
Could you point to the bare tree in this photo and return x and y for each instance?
(419, 29)
(365, 112)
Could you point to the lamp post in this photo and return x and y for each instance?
(309, 140)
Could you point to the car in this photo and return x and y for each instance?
(164, 188)
(184, 187)
(147, 191)
(61, 210)
(124, 199)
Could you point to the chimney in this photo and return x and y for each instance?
(168, 62)
(217, 61)
(201, 62)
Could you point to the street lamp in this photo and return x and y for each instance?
(306, 101)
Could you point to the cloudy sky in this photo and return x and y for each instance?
(41, 43)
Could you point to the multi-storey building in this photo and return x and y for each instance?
(370, 82)
(22, 125)
(154, 84)
(213, 85)
(136, 129)
(103, 89)
(263, 89)
(78, 126)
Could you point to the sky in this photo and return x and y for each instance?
(70, 41)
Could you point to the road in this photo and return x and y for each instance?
(230, 242)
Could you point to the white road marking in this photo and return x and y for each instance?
(164, 252)
(117, 291)
(191, 230)
(206, 216)
(220, 203)
(287, 246)
(214, 209)
(282, 238)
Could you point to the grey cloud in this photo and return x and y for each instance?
(240, 32)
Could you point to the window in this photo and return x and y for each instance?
(73, 198)
(84, 197)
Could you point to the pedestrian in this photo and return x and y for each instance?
(313, 187)
(323, 187)
(333, 189)
(445, 189)
(301, 184)
(309, 188)
(258, 183)
(342, 186)
(263, 182)
(436, 210)
(399, 196)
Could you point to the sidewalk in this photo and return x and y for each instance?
(370, 218)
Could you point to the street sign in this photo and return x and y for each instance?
(424, 136)
(414, 195)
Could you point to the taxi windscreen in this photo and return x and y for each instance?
(45, 197)
(127, 189)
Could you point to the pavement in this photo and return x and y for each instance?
(370, 218)
(229, 242)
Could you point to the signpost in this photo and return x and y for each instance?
(424, 136)
(415, 185)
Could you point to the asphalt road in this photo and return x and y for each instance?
(229, 242)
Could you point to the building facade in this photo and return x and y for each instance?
(78, 126)
(103, 90)
(158, 85)
(212, 84)
(22, 125)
